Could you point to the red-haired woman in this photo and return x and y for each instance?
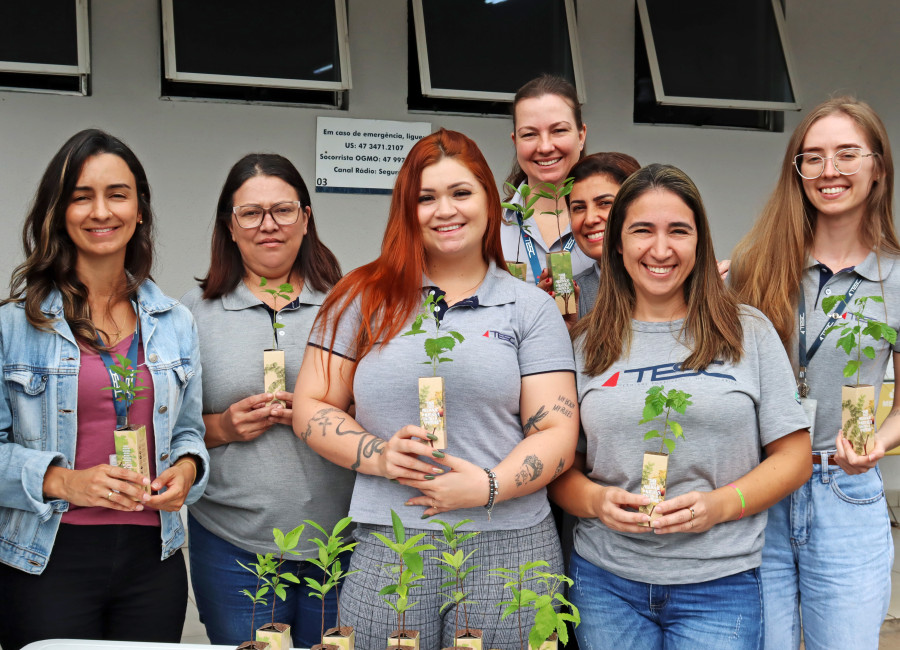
(510, 395)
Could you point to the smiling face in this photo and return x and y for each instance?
(834, 195)
(270, 249)
(548, 141)
(103, 212)
(452, 211)
(589, 205)
(659, 248)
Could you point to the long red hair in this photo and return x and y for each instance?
(389, 289)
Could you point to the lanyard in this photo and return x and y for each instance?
(532, 252)
(119, 405)
(807, 355)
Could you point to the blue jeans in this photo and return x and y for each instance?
(828, 552)
(626, 615)
(225, 611)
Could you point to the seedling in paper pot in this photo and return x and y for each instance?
(524, 212)
(654, 471)
(274, 370)
(431, 389)
(858, 401)
(559, 264)
(328, 560)
(127, 387)
(453, 561)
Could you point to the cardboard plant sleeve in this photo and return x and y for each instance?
(431, 409)
(471, 638)
(560, 267)
(653, 482)
(131, 450)
(517, 269)
(277, 635)
(340, 637)
(550, 644)
(858, 417)
(405, 638)
(275, 375)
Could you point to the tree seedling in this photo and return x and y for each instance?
(407, 570)
(328, 561)
(453, 562)
(556, 193)
(523, 210)
(283, 291)
(654, 471)
(127, 388)
(264, 565)
(853, 327)
(440, 344)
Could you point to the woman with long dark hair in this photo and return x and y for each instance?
(90, 550)
(509, 395)
(262, 476)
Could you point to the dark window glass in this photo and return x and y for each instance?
(39, 31)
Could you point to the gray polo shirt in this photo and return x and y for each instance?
(512, 329)
(589, 286)
(511, 239)
(737, 409)
(825, 373)
(276, 480)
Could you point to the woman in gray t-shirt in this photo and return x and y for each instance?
(664, 322)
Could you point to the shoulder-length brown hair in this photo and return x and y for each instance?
(315, 262)
(712, 328)
(50, 254)
(769, 260)
(390, 288)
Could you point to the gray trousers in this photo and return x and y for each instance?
(363, 608)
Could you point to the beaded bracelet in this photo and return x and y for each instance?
(740, 494)
(493, 491)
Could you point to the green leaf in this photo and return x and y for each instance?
(277, 326)
(888, 333)
(847, 342)
(670, 445)
(829, 302)
(290, 577)
(869, 351)
(653, 433)
(851, 368)
(414, 562)
(263, 282)
(676, 428)
(399, 531)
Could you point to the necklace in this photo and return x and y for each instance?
(456, 296)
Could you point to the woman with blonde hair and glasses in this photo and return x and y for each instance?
(828, 230)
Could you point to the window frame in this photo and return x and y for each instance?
(710, 102)
(428, 90)
(171, 72)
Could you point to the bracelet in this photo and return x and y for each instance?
(188, 459)
(740, 494)
(493, 491)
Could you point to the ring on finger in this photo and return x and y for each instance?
(692, 523)
(432, 503)
(109, 496)
(692, 514)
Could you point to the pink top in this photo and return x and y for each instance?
(96, 423)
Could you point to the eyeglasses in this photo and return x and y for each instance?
(845, 161)
(252, 216)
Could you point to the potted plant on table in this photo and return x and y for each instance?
(654, 472)
(432, 416)
(328, 560)
(549, 624)
(274, 372)
(278, 635)
(559, 264)
(130, 439)
(524, 211)
(407, 570)
(260, 569)
(858, 400)
(453, 562)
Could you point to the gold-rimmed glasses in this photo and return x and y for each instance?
(284, 213)
(846, 162)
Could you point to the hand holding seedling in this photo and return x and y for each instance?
(243, 421)
(677, 517)
(853, 463)
(617, 509)
(101, 486)
(282, 409)
(400, 456)
(461, 485)
(176, 481)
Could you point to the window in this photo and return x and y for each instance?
(472, 55)
(270, 50)
(44, 46)
(713, 64)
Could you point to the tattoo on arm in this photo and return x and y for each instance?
(565, 406)
(531, 424)
(559, 468)
(369, 444)
(532, 468)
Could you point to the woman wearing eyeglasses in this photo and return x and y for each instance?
(262, 476)
(828, 230)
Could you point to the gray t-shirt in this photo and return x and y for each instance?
(825, 372)
(589, 285)
(511, 329)
(276, 480)
(737, 409)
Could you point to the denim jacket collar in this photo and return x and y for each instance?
(149, 297)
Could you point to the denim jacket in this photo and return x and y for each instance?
(39, 422)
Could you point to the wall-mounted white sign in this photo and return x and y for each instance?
(362, 156)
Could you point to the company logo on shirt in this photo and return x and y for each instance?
(663, 372)
(499, 335)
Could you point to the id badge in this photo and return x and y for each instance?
(809, 407)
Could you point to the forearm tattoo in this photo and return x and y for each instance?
(559, 468)
(332, 419)
(532, 468)
(531, 425)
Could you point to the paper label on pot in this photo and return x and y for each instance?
(471, 640)
(274, 373)
(560, 267)
(858, 417)
(653, 482)
(132, 452)
(277, 639)
(406, 641)
(343, 642)
(431, 409)
(517, 269)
